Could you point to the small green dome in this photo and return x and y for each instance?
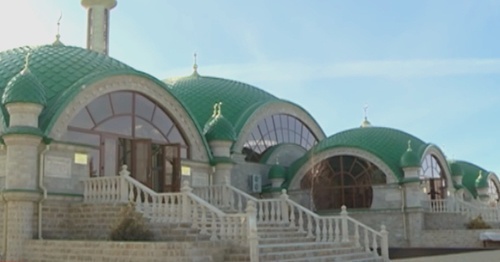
(218, 127)
(24, 87)
(482, 180)
(409, 158)
(456, 169)
(277, 172)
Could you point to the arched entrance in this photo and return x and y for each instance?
(126, 127)
(433, 178)
(342, 180)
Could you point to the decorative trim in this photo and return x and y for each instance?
(141, 85)
(342, 151)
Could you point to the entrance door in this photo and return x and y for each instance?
(141, 161)
(172, 167)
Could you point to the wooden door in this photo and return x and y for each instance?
(172, 167)
(141, 161)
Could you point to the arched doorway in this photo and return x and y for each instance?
(433, 178)
(129, 128)
(342, 180)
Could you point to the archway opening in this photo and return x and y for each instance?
(274, 130)
(342, 180)
(433, 178)
(129, 128)
(493, 192)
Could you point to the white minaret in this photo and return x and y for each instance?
(98, 24)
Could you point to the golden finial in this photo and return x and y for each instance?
(409, 146)
(215, 110)
(365, 122)
(365, 108)
(195, 65)
(219, 112)
(26, 63)
(58, 35)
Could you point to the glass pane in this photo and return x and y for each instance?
(144, 107)
(175, 137)
(82, 120)
(162, 121)
(146, 130)
(81, 138)
(122, 102)
(100, 108)
(118, 125)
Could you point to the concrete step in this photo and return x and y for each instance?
(305, 254)
(354, 257)
(284, 247)
(281, 234)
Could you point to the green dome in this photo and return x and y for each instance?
(200, 93)
(387, 144)
(219, 128)
(62, 70)
(470, 175)
(409, 158)
(456, 169)
(24, 87)
(277, 172)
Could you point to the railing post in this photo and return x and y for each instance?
(226, 192)
(284, 207)
(186, 201)
(253, 238)
(384, 246)
(343, 217)
(123, 184)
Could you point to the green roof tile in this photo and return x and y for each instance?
(277, 171)
(24, 87)
(62, 70)
(470, 175)
(386, 143)
(200, 93)
(219, 128)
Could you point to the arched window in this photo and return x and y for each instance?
(433, 178)
(277, 129)
(128, 128)
(343, 180)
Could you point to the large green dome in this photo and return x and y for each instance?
(62, 70)
(200, 93)
(388, 144)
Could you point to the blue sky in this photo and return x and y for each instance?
(430, 68)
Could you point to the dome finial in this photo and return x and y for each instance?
(58, 35)
(217, 110)
(409, 146)
(365, 122)
(195, 65)
(26, 63)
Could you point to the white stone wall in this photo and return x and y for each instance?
(19, 228)
(240, 175)
(21, 165)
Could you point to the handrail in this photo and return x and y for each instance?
(184, 207)
(470, 210)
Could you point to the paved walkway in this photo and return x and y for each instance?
(482, 256)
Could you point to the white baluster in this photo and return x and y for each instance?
(292, 216)
(345, 232)
(367, 241)
(330, 230)
(356, 235)
(203, 220)
(337, 230)
(374, 243)
(301, 222)
(214, 228)
(318, 232)
(261, 211)
(309, 226)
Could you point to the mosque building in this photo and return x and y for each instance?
(71, 114)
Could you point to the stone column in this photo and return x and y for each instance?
(98, 24)
(413, 192)
(223, 164)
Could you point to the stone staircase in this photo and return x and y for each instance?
(278, 242)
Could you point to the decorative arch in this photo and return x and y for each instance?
(390, 177)
(144, 86)
(435, 173)
(493, 189)
(274, 123)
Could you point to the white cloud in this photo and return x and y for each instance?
(283, 71)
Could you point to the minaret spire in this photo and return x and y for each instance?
(365, 122)
(58, 35)
(98, 24)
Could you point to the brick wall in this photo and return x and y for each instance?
(74, 250)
